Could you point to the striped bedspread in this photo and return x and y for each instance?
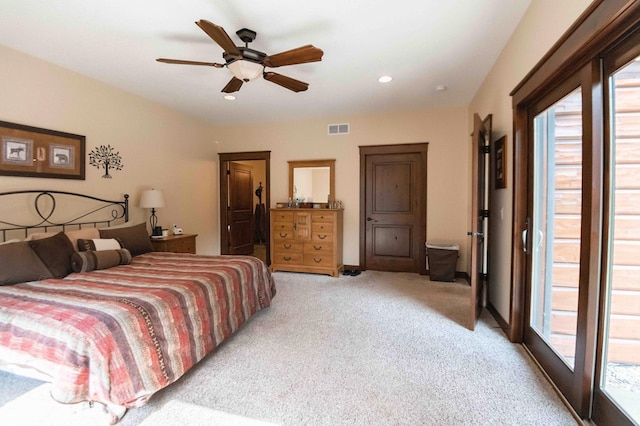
(121, 334)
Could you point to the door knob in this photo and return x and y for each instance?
(371, 219)
(475, 234)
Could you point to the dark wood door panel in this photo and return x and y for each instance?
(393, 223)
(392, 241)
(241, 208)
(392, 187)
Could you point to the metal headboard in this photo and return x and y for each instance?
(98, 212)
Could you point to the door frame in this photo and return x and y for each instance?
(419, 148)
(224, 158)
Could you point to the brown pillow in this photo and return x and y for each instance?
(134, 238)
(55, 252)
(18, 263)
(86, 261)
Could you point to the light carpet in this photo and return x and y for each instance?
(375, 349)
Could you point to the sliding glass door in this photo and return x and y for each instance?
(617, 398)
(576, 236)
(555, 225)
(582, 299)
(561, 164)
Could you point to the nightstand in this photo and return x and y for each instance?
(184, 243)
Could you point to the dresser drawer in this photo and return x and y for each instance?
(319, 247)
(280, 216)
(284, 247)
(283, 231)
(324, 217)
(323, 237)
(318, 260)
(287, 258)
(322, 227)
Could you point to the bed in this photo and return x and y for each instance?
(121, 323)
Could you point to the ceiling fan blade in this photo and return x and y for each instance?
(299, 55)
(181, 62)
(233, 85)
(220, 36)
(286, 82)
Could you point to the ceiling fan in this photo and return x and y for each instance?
(248, 64)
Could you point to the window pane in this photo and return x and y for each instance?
(555, 230)
(621, 371)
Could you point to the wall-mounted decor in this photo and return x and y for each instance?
(500, 162)
(34, 152)
(104, 157)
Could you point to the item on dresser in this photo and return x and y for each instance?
(306, 240)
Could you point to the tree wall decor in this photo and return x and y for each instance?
(105, 157)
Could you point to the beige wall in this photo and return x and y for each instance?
(169, 151)
(159, 147)
(543, 24)
(444, 129)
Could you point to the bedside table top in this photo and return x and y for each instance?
(174, 237)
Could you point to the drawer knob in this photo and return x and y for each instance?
(322, 237)
(317, 260)
(283, 235)
(317, 247)
(287, 258)
(287, 246)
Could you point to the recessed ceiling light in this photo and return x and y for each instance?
(441, 88)
(385, 79)
(230, 97)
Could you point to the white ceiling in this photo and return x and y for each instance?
(420, 43)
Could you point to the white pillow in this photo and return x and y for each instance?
(106, 244)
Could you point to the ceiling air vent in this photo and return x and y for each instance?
(339, 129)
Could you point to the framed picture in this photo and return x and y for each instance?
(34, 152)
(500, 162)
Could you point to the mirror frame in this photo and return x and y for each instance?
(315, 163)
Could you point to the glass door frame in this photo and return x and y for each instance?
(571, 382)
(606, 411)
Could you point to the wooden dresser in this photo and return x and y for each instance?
(306, 240)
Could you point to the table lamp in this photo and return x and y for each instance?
(152, 199)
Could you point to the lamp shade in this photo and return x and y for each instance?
(245, 70)
(152, 199)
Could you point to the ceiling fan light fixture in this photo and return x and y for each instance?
(245, 70)
(229, 97)
(385, 79)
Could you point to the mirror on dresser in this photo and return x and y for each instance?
(312, 181)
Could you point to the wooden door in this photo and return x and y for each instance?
(240, 208)
(225, 159)
(393, 207)
(480, 215)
